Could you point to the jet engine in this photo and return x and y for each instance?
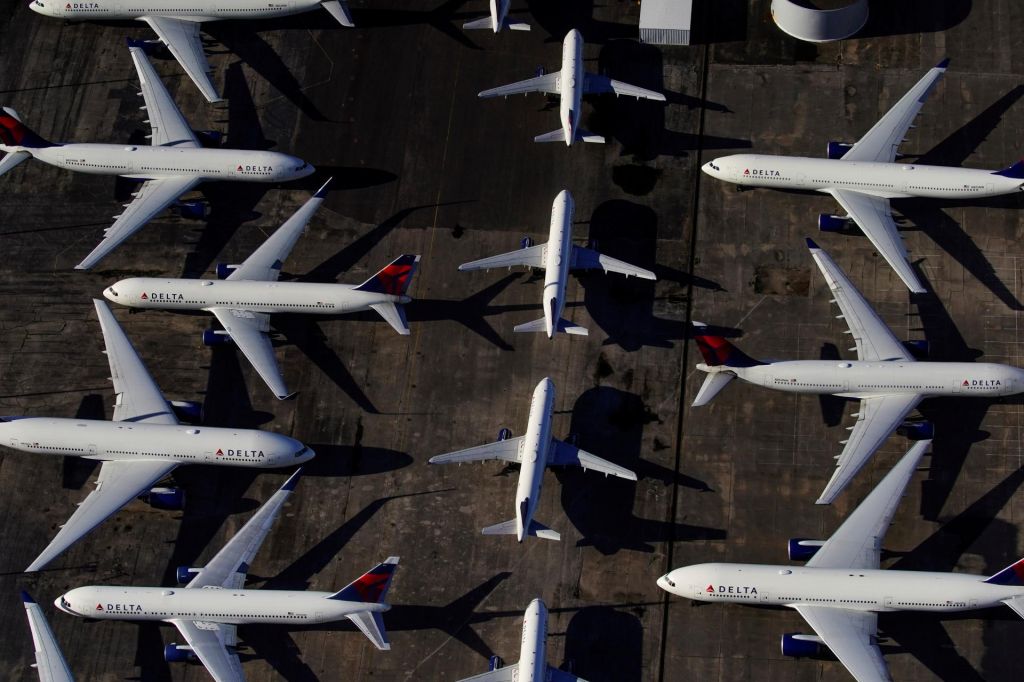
(525, 242)
(185, 574)
(224, 270)
(504, 434)
(494, 663)
(171, 499)
(193, 210)
(802, 549)
(916, 430)
(215, 337)
(837, 150)
(832, 223)
(797, 645)
(179, 653)
(188, 411)
(210, 139)
(918, 348)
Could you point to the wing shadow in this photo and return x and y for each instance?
(956, 148)
(604, 644)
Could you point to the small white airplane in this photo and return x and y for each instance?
(174, 164)
(533, 452)
(532, 665)
(214, 601)
(840, 591)
(144, 443)
(557, 257)
(50, 662)
(178, 25)
(885, 377)
(570, 84)
(498, 19)
(250, 293)
(863, 177)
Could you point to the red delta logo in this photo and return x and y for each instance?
(99, 607)
(746, 171)
(144, 297)
(239, 169)
(966, 383)
(219, 453)
(711, 588)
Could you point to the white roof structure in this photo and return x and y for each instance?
(818, 25)
(666, 22)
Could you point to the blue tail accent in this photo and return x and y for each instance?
(14, 133)
(1011, 575)
(943, 64)
(27, 598)
(1016, 171)
(322, 192)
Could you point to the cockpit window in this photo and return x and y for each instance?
(301, 452)
(112, 290)
(712, 164)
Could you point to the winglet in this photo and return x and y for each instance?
(943, 64)
(811, 244)
(292, 481)
(322, 192)
(27, 598)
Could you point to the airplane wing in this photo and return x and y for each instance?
(874, 218)
(137, 398)
(508, 450)
(120, 481)
(210, 641)
(588, 259)
(857, 543)
(879, 416)
(170, 129)
(564, 454)
(264, 265)
(595, 84)
(883, 140)
(228, 567)
(50, 663)
(531, 257)
(181, 36)
(548, 83)
(249, 332)
(508, 673)
(340, 11)
(850, 635)
(874, 339)
(152, 198)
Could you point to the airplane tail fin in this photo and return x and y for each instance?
(372, 586)
(509, 528)
(1016, 171)
(1011, 575)
(394, 314)
(14, 133)
(712, 386)
(394, 279)
(540, 325)
(717, 351)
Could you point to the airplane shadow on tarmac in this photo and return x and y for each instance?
(603, 644)
(610, 424)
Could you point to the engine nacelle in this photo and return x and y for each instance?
(193, 210)
(215, 337)
(185, 574)
(918, 348)
(797, 645)
(831, 223)
(802, 549)
(224, 270)
(210, 138)
(837, 150)
(504, 434)
(495, 663)
(179, 653)
(525, 242)
(188, 411)
(917, 430)
(171, 499)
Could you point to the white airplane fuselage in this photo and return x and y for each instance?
(106, 440)
(145, 162)
(854, 378)
(533, 666)
(499, 11)
(535, 446)
(236, 607)
(557, 259)
(194, 10)
(854, 589)
(256, 296)
(570, 85)
(886, 180)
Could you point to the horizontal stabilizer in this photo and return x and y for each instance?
(393, 314)
(553, 136)
(516, 25)
(564, 326)
(509, 528)
(12, 160)
(1017, 604)
(371, 624)
(712, 386)
(587, 136)
(478, 24)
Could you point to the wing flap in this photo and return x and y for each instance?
(249, 332)
(879, 417)
(851, 636)
(169, 125)
(507, 450)
(531, 257)
(209, 641)
(548, 83)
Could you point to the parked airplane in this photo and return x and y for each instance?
(532, 665)
(498, 19)
(863, 177)
(885, 377)
(177, 26)
(250, 293)
(570, 84)
(174, 164)
(214, 601)
(50, 663)
(144, 443)
(557, 257)
(840, 590)
(533, 452)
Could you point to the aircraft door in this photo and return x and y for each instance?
(92, 449)
(800, 179)
(888, 601)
